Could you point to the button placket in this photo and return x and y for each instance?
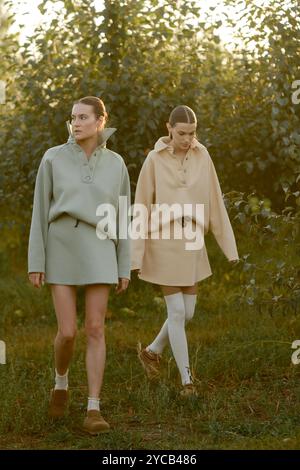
(185, 165)
(181, 166)
(182, 169)
(88, 167)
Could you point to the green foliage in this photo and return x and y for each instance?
(270, 269)
(268, 135)
(143, 58)
(242, 99)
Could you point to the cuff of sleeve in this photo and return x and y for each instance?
(36, 270)
(135, 266)
(124, 274)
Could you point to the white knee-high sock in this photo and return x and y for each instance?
(177, 337)
(162, 339)
(189, 304)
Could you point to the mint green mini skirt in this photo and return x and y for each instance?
(76, 256)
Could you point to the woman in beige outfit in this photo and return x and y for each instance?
(180, 171)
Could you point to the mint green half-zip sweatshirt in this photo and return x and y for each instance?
(68, 182)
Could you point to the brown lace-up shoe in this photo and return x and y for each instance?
(189, 390)
(150, 362)
(94, 423)
(58, 403)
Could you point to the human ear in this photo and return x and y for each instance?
(169, 127)
(101, 122)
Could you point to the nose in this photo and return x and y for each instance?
(75, 121)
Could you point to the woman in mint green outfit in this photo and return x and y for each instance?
(69, 246)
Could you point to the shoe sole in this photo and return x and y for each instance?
(94, 433)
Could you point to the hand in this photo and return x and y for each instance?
(37, 279)
(123, 284)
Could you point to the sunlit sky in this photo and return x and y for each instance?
(27, 14)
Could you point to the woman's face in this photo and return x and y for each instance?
(182, 134)
(84, 122)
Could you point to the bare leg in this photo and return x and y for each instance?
(64, 300)
(96, 298)
(169, 290)
(189, 289)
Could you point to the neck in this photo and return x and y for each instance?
(89, 145)
(179, 152)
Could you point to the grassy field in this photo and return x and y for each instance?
(249, 389)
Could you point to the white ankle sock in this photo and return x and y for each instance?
(61, 381)
(93, 404)
(189, 305)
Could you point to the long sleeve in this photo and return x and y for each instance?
(145, 191)
(219, 222)
(39, 221)
(123, 246)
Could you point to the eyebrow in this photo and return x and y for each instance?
(192, 132)
(82, 114)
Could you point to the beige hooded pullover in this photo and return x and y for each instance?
(165, 179)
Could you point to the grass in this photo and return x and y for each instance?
(249, 389)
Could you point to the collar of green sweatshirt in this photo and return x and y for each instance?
(103, 136)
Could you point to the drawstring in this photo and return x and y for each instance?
(77, 222)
